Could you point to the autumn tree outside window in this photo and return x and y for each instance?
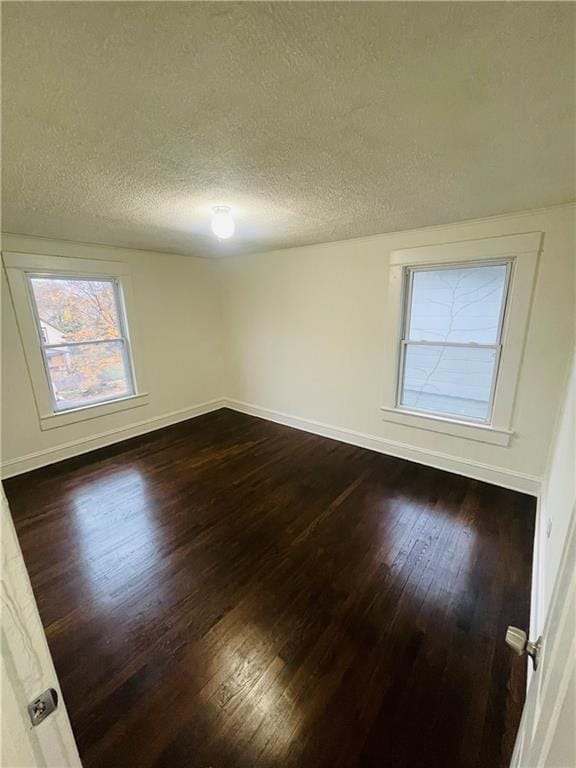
(77, 322)
(83, 335)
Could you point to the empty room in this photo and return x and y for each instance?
(288, 384)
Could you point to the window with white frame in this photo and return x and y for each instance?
(452, 337)
(457, 320)
(82, 333)
(75, 321)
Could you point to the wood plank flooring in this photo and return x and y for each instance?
(231, 593)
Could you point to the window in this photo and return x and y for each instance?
(82, 334)
(76, 322)
(451, 343)
(457, 320)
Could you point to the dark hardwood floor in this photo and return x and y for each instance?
(231, 593)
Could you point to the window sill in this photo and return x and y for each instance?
(479, 432)
(53, 420)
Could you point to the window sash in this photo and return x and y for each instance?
(116, 288)
(445, 414)
(82, 343)
(123, 339)
(405, 340)
(419, 343)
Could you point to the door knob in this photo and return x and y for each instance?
(517, 639)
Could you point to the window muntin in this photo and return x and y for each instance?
(82, 333)
(451, 343)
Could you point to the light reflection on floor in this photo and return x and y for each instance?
(401, 521)
(108, 507)
(253, 697)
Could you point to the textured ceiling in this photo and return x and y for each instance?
(123, 123)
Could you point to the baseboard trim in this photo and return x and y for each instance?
(516, 481)
(102, 439)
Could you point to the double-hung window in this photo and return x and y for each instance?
(452, 338)
(82, 332)
(457, 320)
(76, 322)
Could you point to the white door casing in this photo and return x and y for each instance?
(547, 734)
(27, 670)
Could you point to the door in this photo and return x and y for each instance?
(547, 734)
(27, 670)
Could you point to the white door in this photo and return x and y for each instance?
(27, 670)
(547, 735)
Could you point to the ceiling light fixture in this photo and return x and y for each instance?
(223, 224)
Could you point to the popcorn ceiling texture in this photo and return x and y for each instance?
(123, 123)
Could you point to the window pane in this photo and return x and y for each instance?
(84, 374)
(455, 381)
(75, 310)
(460, 304)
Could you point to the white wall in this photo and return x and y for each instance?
(302, 339)
(307, 340)
(179, 320)
(558, 497)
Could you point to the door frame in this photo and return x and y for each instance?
(27, 669)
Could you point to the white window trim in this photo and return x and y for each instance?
(522, 252)
(18, 266)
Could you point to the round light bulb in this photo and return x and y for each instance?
(223, 224)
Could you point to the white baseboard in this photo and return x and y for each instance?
(102, 439)
(490, 474)
(516, 481)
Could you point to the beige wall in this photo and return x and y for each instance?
(179, 321)
(307, 339)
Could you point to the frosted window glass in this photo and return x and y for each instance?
(455, 381)
(457, 304)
